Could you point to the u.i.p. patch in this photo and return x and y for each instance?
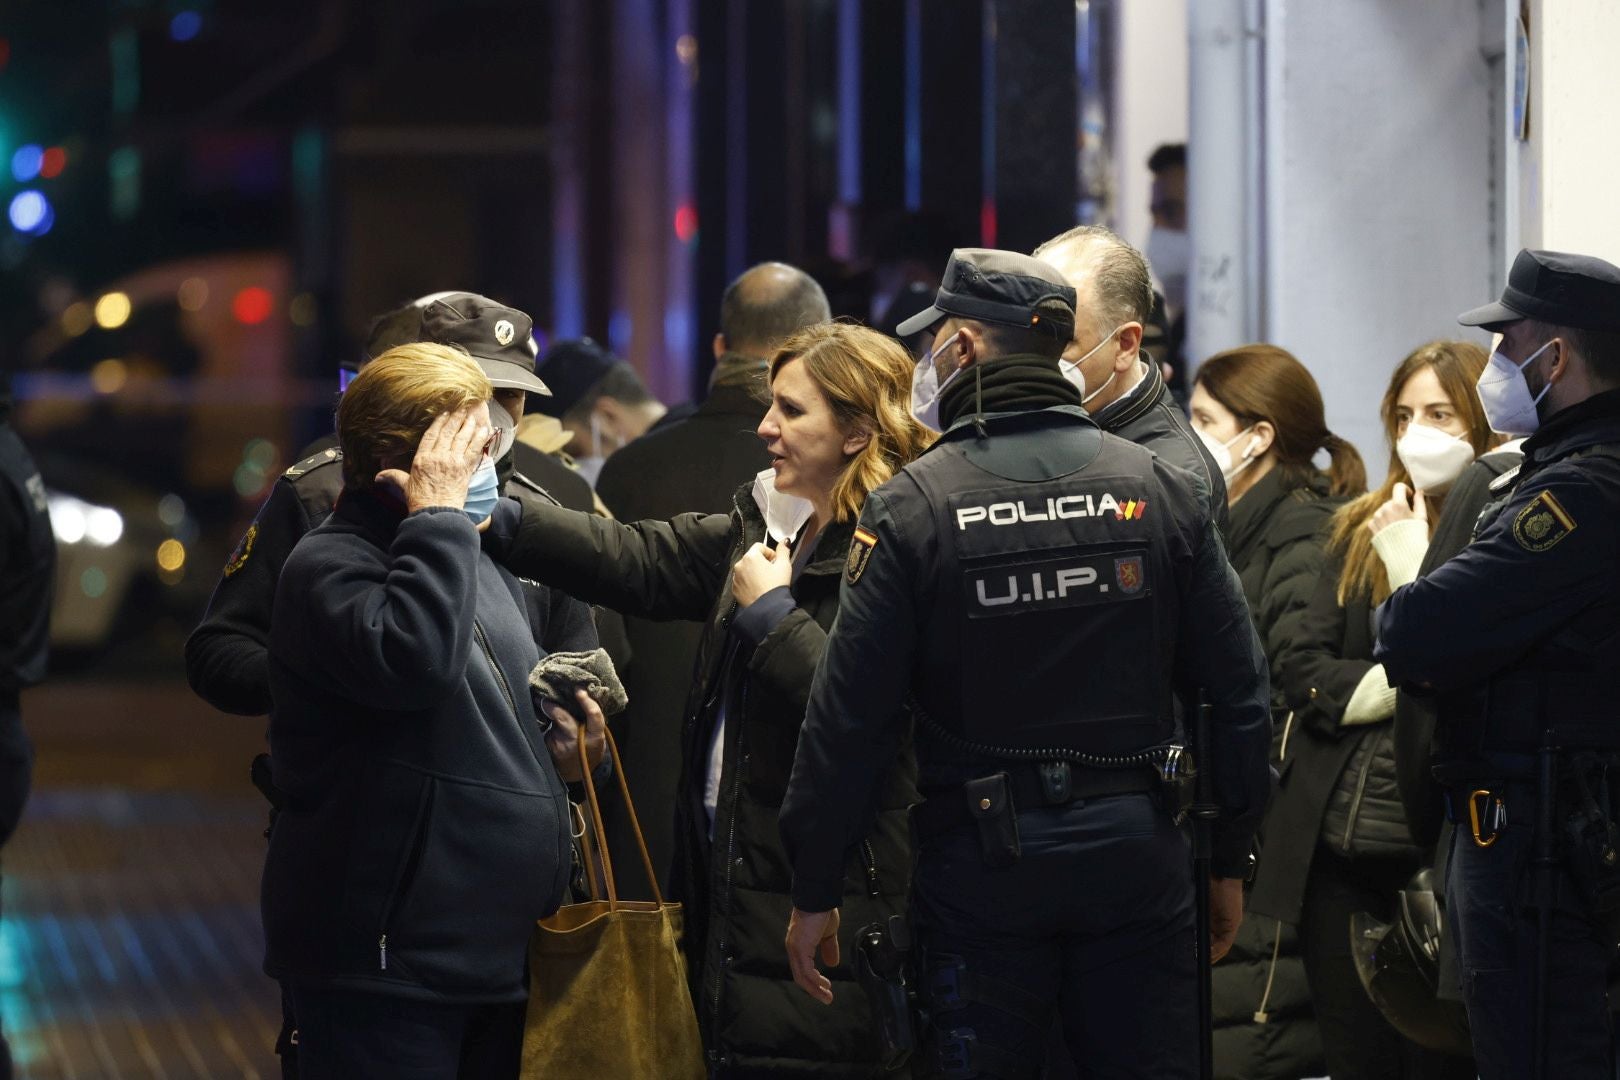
(1542, 523)
(860, 553)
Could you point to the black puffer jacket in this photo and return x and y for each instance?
(1322, 664)
(1276, 538)
(1148, 416)
(755, 1021)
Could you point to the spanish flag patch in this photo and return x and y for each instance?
(860, 553)
(1542, 523)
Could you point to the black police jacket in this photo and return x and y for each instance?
(227, 654)
(755, 1022)
(424, 827)
(1059, 577)
(1532, 607)
(27, 567)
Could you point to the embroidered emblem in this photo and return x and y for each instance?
(504, 332)
(1128, 574)
(860, 553)
(1542, 523)
(240, 556)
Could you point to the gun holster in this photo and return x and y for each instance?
(883, 967)
(990, 805)
(1592, 839)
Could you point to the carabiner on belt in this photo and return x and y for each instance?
(1487, 815)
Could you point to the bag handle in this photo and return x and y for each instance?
(601, 834)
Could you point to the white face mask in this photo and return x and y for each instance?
(1433, 458)
(1506, 396)
(1169, 254)
(1071, 370)
(1222, 451)
(926, 387)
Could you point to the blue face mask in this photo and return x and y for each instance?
(482, 492)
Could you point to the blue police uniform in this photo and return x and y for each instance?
(1529, 614)
(1031, 587)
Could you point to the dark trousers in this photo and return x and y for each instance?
(16, 778)
(352, 1035)
(1094, 923)
(1495, 929)
(1357, 1042)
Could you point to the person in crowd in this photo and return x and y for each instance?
(1525, 615)
(1337, 841)
(1169, 254)
(27, 582)
(694, 464)
(599, 400)
(1260, 414)
(1031, 582)
(227, 655)
(765, 580)
(424, 827)
(1122, 391)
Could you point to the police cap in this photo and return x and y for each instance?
(1579, 291)
(500, 338)
(992, 286)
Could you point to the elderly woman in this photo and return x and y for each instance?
(765, 580)
(425, 826)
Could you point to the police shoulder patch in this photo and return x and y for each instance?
(1542, 523)
(860, 553)
(239, 557)
(314, 461)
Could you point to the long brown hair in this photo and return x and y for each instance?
(1262, 382)
(866, 378)
(1457, 365)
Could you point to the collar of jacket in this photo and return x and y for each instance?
(1142, 397)
(1003, 384)
(372, 510)
(832, 546)
(1587, 423)
(1255, 511)
(740, 398)
(738, 369)
(1019, 420)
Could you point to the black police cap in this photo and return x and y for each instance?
(500, 338)
(1580, 291)
(571, 368)
(992, 286)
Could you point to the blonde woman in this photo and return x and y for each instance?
(765, 580)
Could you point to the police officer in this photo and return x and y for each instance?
(1032, 588)
(27, 574)
(227, 655)
(1530, 613)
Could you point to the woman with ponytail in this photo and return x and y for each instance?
(765, 580)
(1260, 414)
(1341, 843)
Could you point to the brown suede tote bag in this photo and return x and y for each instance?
(607, 980)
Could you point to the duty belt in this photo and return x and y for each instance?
(1049, 783)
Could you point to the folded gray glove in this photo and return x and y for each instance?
(559, 675)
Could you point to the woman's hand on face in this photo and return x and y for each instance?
(1397, 508)
(445, 459)
(760, 570)
(563, 738)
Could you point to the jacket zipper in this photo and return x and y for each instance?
(870, 859)
(489, 654)
(407, 878)
(731, 849)
(1361, 790)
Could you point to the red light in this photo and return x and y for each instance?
(252, 305)
(686, 223)
(987, 223)
(5, 52)
(52, 164)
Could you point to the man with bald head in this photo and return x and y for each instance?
(1122, 389)
(695, 463)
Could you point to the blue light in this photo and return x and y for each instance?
(185, 26)
(31, 213)
(26, 161)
